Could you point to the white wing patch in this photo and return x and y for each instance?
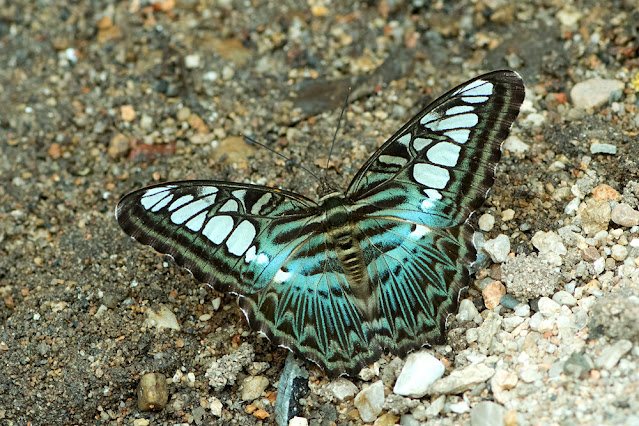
(241, 238)
(218, 228)
(404, 140)
(444, 154)
(196, 223)
(229, 206)
(180, 202)
(460, 121)
(157, 195)
(460, 135)
(421, 143)
(189, 210)
(460, 109)
(431, 176)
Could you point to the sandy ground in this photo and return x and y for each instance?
(100, 98)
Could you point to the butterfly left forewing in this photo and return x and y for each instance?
(214, 229)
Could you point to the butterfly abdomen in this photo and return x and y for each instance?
(344, 237)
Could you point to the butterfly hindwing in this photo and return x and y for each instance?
(376, 269)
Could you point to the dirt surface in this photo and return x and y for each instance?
(101, 98)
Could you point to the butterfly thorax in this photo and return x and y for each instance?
(344, 236)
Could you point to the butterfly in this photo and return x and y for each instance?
(375, 269)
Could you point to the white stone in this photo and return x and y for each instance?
(564, 298)
(460, 407)
(298, 421)
(253, 387)
(420, 371)
(498, 248)
(342, 389)
(522, 310)
(515, 144)
(369, 401)
(461, 380)
(619, 252)
(161, 317)
(215, 405)
(192, 61)
(486, 222)
(467, 310)
(611, 355)
(548, 307)
(487, 413)
(548, 242)
(594, 93)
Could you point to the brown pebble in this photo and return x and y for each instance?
(605, 193)
(261, 414)
(153, 392)
(493, 293)
(118, 146)
(590, 254)
(127, 113)
(54, 151)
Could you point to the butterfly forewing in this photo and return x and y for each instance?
(442, 162)
(221, 232)
(375, 270)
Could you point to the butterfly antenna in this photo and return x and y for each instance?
(250, 140)
(339, 123)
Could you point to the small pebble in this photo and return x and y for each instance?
(596, 217)
(564, 298)
(192, 61)
(515, 144)
(548, 307)
(594, 93)
(507, 215)
(369, 401)
(611, 355)
(625, 215)
(253, 387)
(522, 310)
(619, 252)
(161, 317)
(342, 389)
(127, 113)
(461, 380)
(492, 294)
(118, 146)
(298, 421)
(419, 372)
(547, 242)
(498, 248)
(487, 413)
(605, 192)
(603, 148)
(486, 222)
(153, 393)
(467, 310)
